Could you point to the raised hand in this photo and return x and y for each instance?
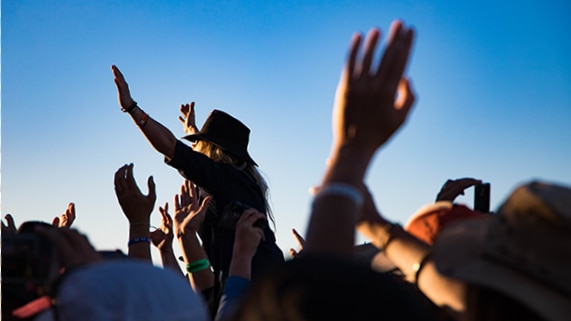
(10, 226)
(453, 188)
(163, 236)
(67, 218)
(371, 102)
(123, 92)
(188, 119)
(136, 206)
(188, 213)
(300, 241)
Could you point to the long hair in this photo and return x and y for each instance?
(217, 154)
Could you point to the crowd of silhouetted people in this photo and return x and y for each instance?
(448, 262)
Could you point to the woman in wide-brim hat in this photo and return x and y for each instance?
(218, 163)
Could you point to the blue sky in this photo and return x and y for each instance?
(493, 81)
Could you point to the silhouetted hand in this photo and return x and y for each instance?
(453, 188)
(163, 236)
(188, 118)
(123, 92)
(10, 226)
(300, 241)
(67, 218)
(372, 103)
(188, 213)
(136, 206)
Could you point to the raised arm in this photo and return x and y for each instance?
(162, 238)
(366, 114)
(160, 137)
(188, 215)
(137, 208)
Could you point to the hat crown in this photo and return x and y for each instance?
(227, 132)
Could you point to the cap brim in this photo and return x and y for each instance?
(459, 252)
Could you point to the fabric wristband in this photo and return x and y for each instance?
(139, 240)
(344, 190)
(199, 265)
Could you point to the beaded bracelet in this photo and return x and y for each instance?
(197, 266)
(139, 240)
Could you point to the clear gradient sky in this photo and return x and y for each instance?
(493, 80)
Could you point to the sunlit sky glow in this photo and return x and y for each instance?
(493, 81)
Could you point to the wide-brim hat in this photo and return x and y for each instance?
(226, 132)
(524, 251)
(431, 219)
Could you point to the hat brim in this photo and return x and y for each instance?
(240, 154)
(459, 252)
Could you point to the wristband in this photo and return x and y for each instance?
(389, 229)
(344, 190)
(197, 266)
(130, 108)
(139, 240)
(417, 267)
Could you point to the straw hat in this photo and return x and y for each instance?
(523, 252)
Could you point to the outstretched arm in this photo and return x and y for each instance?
(160, 137)
(366, 115)
(410, 255)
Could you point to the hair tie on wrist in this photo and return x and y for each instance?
(197, 266)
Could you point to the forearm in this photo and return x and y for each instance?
(160, 137)
(241, 265)
(332, 221)
(192, 251)
(139, 241)
(406, 252)
(169, 260)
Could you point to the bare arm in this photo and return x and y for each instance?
(162, 238)
(406, 252)
(365, 116)
(137, 208)
(188, 215)
(160, 137)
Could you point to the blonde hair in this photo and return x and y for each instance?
(218, 155)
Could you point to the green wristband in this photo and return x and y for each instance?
(199, 265)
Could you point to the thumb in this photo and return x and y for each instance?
(151, 185)
(205, 203)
